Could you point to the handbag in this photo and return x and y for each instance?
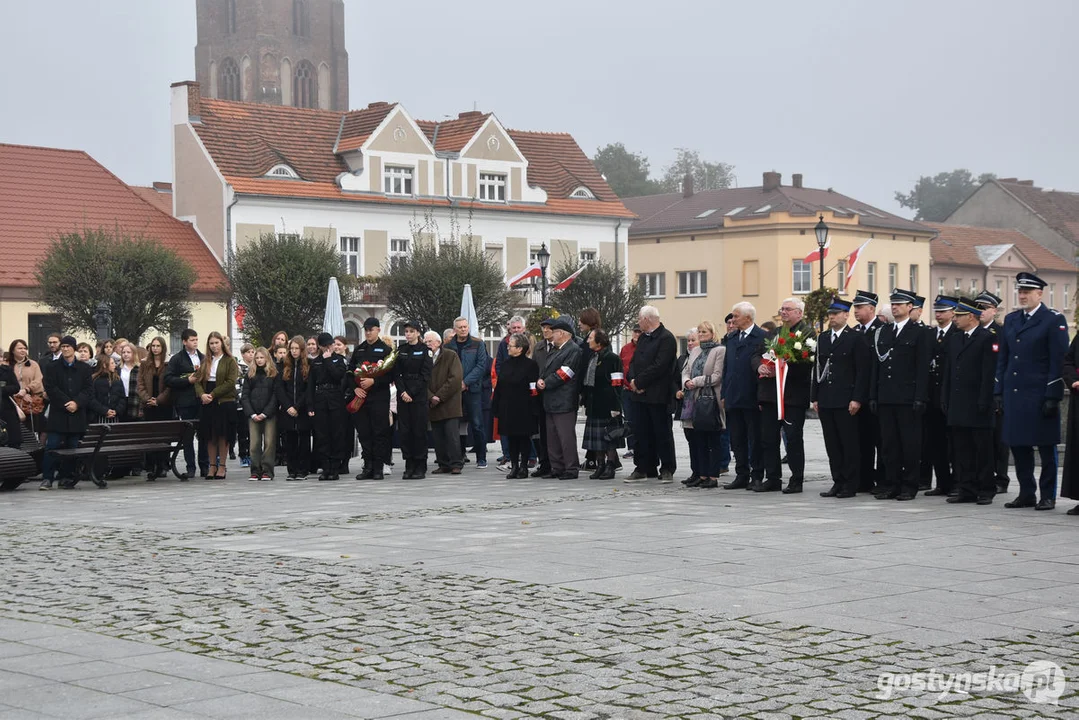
(706, 411)
(19, 410)
(617, 429)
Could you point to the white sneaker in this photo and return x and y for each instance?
(504, 467)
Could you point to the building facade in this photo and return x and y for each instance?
(50, 192)
(374, 181)
(280, 52)
(696, 254)
(967, 260)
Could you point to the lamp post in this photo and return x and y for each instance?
(821, 230)
(103, 322)
(543, 257)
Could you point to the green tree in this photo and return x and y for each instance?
(144, 284)
(600, 285)
(626, 172)
(427, 284)
(706, 175)
(935, 198)
(817, 302)
(281, 282)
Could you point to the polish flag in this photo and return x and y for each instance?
(532, 389)
(565, 372)
(617, 379)
(852, 260)
(818, 254)
(532, 271)
(569, 281)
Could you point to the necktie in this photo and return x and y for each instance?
(835, 338)
(940, 335)
(743, 337)
(1025, 318)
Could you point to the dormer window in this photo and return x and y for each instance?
(282, 172)
(397, 180)
(492, 187)
(582, 193)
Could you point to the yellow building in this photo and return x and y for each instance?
(697, 254)
(48, 192)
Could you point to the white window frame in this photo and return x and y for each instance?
(653, 285)
(692, 283)
(351, 251)
(893, 276)
(492, 187)
(582, 193)
(974, 287)
(801, 277)
(940, 286)
(398, 251)
(958, 286)
(914, 278)
(586, 256)
(397, 180)
(1067, 295)
(1052, 295)
(871, 276)
(841, 276)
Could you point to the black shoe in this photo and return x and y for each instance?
(936, 491)
(419, 472)
(407, 474)
(845, 494)
(962, 499)
(904, 496)
(692, 480)
(515, 468)
(539, 472)
(832, 491)
(549, 476)
(376, 472)
(1073, 511)
(1046, 504)
(886, 495)
(707, 484)
(232, 454)
(599, 470)
(794, 486)
(1021, 502)
(366, 474)
(737, 484)
(985, 500)
(925, 485)
(1002, 487)
(608, 472)
(327, 478)
(769, 486)
(568, 476)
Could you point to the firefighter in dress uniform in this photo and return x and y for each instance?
(864, 307)
(988, 303)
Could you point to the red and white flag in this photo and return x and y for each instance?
(532, 389)
(781, 385)
(617, 379)
(569, 281)
(818, 255)
(533, 270)
(852, 260)
(565, 372)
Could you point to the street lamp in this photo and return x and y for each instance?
(543, 257)
(103, 321)
(821, 231)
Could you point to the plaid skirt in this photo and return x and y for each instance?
(594, 429)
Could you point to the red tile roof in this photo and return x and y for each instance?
(959, 245)
(162, 200)
(1059, 209)
(49, 192)
(245, 140)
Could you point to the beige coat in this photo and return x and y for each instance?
(446, 377)
(713, 375)
(30, 378)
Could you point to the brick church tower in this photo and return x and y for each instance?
(281, 52)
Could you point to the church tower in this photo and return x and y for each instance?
(281, 52)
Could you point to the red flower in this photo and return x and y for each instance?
(805, 354)
(792, 333)
(781, 341)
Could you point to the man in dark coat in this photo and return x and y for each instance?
(180, 380)
(898, 392)
(936, 436)
(988, 303)
(967, 402)
(1030, 388)
(649, 380)
(326, 400)
(795, 403)
(476, 365)
(558, 387)
(869, 473)
(372, 422)
(543, 348)
(739, 397)
(840, 392)
(69, 385)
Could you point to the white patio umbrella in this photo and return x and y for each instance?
(468, 310)
(333, 321)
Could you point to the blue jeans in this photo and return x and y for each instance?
(56, 441)
(192, 413)
(473, 405)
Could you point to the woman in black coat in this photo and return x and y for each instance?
(110, 397)
(515, 404)
(293, 422)
(601, 391)
(9, 387)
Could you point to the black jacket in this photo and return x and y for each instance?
(605, 396)
(293, 393)
(513, 402)
(379, 393)
(182, 392)
(64, 383)
(841, 371)
(327, 382)
(968, 373)
(901, 366)
(108, 395)
(653, 365)
(9, 387)
(938, 352)
(412, 371)
(260, 395)
(796, 393)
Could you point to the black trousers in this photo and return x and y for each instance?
(412, 430)
(901, 443)
(373, 429)
(937, 446)
(745, 428)
(654, 431)
(840, 430)
(974, 462)
(332, 447)
(243, 435)
(543, 458)
(771, 447)
(298, 449)
(520, 447)
(1024, 471)
(870, 455)
(1000, 453)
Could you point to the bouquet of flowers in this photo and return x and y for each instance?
(370, 370)
(790, 346)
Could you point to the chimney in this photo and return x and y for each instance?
(194, 100)
(771, 181)
(796, 180)
(163, 187)
(1028, 183)
(378, 104)
(1009, 180)
(687, 186)
(468, 114)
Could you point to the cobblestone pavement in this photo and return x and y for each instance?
(529, 598)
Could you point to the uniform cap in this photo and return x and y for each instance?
(839, 305)
(864, 297)
(945, 302)
(325, 339)
(987, 298)
(902, 296)
(1029, 281)
(371, 322)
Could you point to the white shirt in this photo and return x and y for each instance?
(900, 325)
(944, 329)
(836, 335)
(1031, 313)
(213, 366)
(125, 378)
(195, 362)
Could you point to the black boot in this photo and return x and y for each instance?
(365, 474)
(407, 474)
(769, 486)
(515, 468)
(794, 486)
(737, 484)
(606, 472)
(376, 471)
(601, 468)
(419, 469)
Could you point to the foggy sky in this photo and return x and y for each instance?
(863, 97)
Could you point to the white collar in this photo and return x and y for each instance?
(945, 328)
(900, 325)
(1031, 313)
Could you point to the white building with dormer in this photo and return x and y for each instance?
(362, 180)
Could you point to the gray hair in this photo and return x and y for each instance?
(447, 334)
(459, 319)
(796, 303)
(691, 331)
(744, 308)
(650, 312)
(886, 311)
(522, 341)
(431, 334)
(516, 319)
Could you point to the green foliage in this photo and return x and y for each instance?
(281, 282)
(532, 322)
(935, 198)
(144, 284)
(428, 283)
(706, 175)
(601, 286)
(817, 302)
(626, 172)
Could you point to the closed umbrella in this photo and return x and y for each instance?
(333, 321)
(468, 311)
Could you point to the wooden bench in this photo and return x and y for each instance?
(124, 444)
(19, 465)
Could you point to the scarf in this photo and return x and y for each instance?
(590, 374)
(698, 363)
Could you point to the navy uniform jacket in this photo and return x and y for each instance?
(900, 365)
(739, 371)
(379, 393)
(1029, 373)
(841, 371)
(326, 383)
(412, 371)
(968, 374)
(938, 352)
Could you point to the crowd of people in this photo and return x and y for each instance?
(900, 403)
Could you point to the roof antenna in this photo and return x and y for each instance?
(475, 106)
